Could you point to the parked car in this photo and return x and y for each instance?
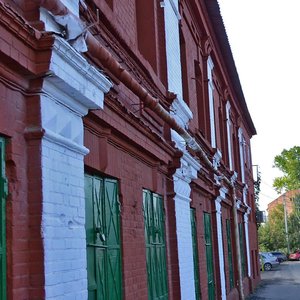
(280, 256)
(295, 255)
(268, 261)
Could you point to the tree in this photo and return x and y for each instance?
(272, 235)
(289, 163)
(294, 224)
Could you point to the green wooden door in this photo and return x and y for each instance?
(209, 256)
(242, 247)
(155, 246)
(3, 193)
(195, 254)
(103, 239)
(230, 259)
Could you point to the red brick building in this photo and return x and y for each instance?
(286, 199)
(125, 153)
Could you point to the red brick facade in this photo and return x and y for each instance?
(287, 199)
(127, 140)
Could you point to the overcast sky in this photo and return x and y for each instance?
(265, 40)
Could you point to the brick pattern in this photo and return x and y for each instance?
(63, 222)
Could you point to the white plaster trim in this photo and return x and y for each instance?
(228, 125)
(174, 7)
(182, 197)
(241, 147)
(87, 85)
(181, 112)
(72, 5)
(238, 204)
(233, 178)
(210, 67)
(57, 95)
(218, 201)
(247, 244)
(65, 142)
(246, 221)
(217, 159)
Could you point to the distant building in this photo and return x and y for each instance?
(289, 198)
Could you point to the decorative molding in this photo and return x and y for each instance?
(218, 179)
(74, 75)
(181, 112)
(217, 159)
(65, 142)
(220, 198)
(233, 178)
(238, 204)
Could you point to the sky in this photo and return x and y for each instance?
(265, 41)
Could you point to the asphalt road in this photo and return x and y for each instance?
(282, 283)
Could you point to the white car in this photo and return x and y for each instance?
(268, 261)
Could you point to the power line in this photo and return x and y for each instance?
(267, 196)
(267, 185)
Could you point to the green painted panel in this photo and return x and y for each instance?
(103, 238)
(242, 247)
(230, 258)
(155, 246)
(195, 254)
(3, 193)
(209, 257)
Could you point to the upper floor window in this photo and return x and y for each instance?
(210, 67)
(229, 135)
(150, 39)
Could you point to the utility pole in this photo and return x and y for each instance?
(286, 225)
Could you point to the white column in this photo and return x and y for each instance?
(72, 88)
(210, 66)
(247, 243)
(189, 167)
(182, 179)
(218, 201)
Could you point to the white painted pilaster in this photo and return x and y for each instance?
(189, 166)
(218, 204)
(246, 218)
(182, 179)
(72, 88)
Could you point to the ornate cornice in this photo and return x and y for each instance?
(217, 159)
(181, 112)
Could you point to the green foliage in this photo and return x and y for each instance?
(256, 193)
(294, 224)
(289, 163)
(272, 234)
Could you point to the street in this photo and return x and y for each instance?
(280, 284)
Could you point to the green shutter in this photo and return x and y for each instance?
(155, 246)
(103, 239)
(3, 193)
(195, 254)
(229, 248)
(242, 247)
(209, 256)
